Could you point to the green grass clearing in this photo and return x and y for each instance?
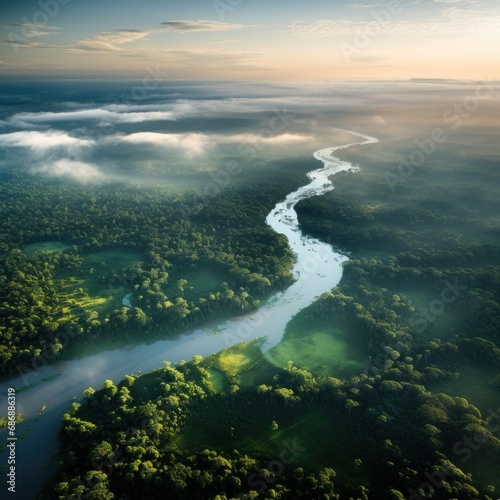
(97, 286)
(324, 349)
(200, 283)
(44, 247)
(243, 364)
(218, 380)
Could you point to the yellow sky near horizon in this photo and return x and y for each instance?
(398, 39)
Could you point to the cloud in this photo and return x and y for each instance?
(193, 26)
(42, 141)
(453, 20)
(133, 113)
(195, 144)
(111, 41)
(54, 153)
(377, 119)
(192, 144)
(96, 115)
(22, 43)
(31, 30)
(224, 42)
(276, 139)
(80, 171)
(138, 113)
(27, 31)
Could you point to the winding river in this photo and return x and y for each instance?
(318, 269)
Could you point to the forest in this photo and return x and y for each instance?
(69, 253)
(416, 414)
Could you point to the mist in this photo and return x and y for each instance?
(95, 131)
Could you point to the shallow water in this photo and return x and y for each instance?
(318, 269)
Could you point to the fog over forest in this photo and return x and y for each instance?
(91, 131)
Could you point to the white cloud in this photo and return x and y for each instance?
(276, 139)
(41, 141)
(54, 153)
(192, 144)
(138, 113)
(64, 167)
(195, 144)
(111, 41)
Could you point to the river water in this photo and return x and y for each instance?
(318, 269)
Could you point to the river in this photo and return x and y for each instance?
(318, 269)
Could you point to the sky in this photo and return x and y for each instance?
(278, 40)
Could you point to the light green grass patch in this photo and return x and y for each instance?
(218, 380)
(242, 364)
(322, 349)
(44, 247)
(116, 259)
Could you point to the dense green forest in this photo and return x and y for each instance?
(235, 426)
(413, 413)
(70, 253)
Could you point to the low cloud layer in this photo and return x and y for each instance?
(194, 144)
(65, 167)
(189, 126)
